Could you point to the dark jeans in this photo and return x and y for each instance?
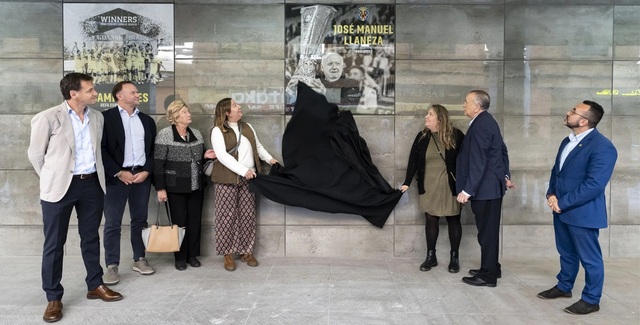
(87, 197)
(186, 211)
(114, 204)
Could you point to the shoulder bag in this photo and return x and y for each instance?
(163, 239)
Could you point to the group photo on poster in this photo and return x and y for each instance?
(345, 52)
(116, 42)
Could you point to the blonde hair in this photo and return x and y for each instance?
(222, 108)
(445, 128)
(173, 111)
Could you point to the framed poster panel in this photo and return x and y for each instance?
(346, 52)
(113, 42)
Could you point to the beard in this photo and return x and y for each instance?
(571, 125)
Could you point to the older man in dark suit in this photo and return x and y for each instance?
(583, 167)
(64, 149)
(482, 172)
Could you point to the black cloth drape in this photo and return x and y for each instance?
(328, 166)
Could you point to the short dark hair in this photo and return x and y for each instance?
(72, 81)
(118, 87)
(482, 98)
(595, 113)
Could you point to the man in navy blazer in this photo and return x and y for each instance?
(127, 153)
(583, 167)
(482, 172)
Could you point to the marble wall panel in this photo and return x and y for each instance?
(625, 190)
(519, 241)
(625, 241)
(625, 135)
(236, 31)
(270, 241)
(269, 213)
(626, 87)
(420, 83)
(21, 241)
(449, 2)
(258, 85)
(532, 141)
(526, 204)
(29, 85)
(410, 241)
(626, 32)
(270, 129)
(556, 32)
(19, 198)
(560, 2)
(553, 87)
(339, 2)
(378, 131)
(20, 38)
(478, 35)
(14, 147)
(343, 241)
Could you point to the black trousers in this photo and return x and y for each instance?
(87, 197)
(186, 211)
(487, 213)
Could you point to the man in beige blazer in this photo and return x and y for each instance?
(65, 152)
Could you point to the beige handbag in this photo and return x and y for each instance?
(163, 239)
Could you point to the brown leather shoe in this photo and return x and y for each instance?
(229, 264)
(249, 259)
(53, 313)
(103, 292)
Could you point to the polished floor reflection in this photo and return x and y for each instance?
(317, 291)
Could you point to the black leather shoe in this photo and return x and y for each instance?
(454, 264)
(194, 262)
(181, 265)
(554, 293)
(476, 281)
(475, 272)
(582, 308)
(430, 262)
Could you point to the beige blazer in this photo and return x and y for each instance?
(52, 150)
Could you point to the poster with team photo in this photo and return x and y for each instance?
(115, 42)
(346, 52)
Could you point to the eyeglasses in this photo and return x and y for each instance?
(573, 112)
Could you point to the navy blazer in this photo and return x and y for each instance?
(580, 185)
(113, 140)
(483, 160)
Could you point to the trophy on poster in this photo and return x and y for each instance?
(315, 23)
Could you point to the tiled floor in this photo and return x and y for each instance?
(317, 291)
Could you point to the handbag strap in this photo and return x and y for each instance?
(166, 206)
(435, 141)
(235, 148)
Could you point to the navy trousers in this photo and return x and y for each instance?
(487, 213)
(114, 204)
(87, 197)
(579, 245)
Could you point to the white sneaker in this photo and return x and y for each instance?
(111, 276)
(142, 266)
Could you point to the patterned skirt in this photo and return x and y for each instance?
(235, 214)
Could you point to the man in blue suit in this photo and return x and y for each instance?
(482, 172)
(583, 167)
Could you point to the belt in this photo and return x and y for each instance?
(85, 176)
(133, 169)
